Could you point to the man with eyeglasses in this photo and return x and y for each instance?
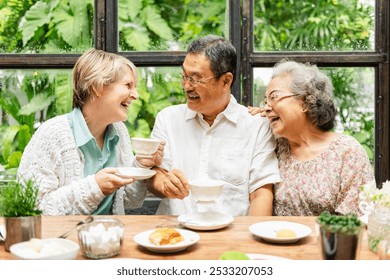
(212, 136)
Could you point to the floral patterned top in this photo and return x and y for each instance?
(329, 182)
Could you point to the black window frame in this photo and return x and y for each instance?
(241, 35)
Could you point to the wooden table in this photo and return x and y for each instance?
(211, 244)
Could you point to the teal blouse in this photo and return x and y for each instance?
(94, 158)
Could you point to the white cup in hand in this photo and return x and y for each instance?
(145, 147)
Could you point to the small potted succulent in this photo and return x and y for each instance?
(339, 235)
(18, 206)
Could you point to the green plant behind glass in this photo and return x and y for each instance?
(27, 99)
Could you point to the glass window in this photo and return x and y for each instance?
(168, 25)
(64, 26)
(28, 98)
(354, 91)
(327, 25)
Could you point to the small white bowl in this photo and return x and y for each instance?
(206, 190)
(145, 147)
(102, 238)
(45, 249)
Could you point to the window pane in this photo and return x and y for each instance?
(64, 26)
(328, 25)
(168, 24)
(354, 97)
(27, 98)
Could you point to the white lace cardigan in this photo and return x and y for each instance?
(53, 159)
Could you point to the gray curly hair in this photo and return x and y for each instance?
(316, 89)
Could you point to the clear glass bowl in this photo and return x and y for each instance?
(102, 238)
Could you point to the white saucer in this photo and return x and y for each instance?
(267, 231)
(135, 172)
(190, 238)
(206, 220)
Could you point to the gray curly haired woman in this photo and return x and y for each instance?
(320, 169)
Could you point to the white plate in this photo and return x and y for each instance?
(265, 257)
(267, 231)
(190, 238)
(52, 249)
(206, 220)
(135, 172)
(2, 231)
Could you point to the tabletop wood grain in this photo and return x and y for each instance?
(211, 245)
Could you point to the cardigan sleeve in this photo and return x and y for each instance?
(53, 160)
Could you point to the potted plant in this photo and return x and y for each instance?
(339, 235)
(375, 204)
(18, 206)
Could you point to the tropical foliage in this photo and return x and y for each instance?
(29, 97)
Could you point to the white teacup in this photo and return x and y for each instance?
(206, 191)
(145, 147)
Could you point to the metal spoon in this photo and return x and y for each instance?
(86, 221)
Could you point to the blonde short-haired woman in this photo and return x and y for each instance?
(74, 157)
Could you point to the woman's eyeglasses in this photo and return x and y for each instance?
(193, 82)
(275, 97)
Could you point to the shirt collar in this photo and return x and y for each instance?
(231, 112)
(82, 134)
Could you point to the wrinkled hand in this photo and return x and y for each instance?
(156, 160)
(175, 185)
(256, 110)
(109, 182)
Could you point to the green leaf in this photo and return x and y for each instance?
(135, 108)
(138, 39)
(38, 103)
(8, 140)
(362, 136)
(36, 16)
(73, 23)
(129, 9)
(142, 129)
(156, 23)
(14, 159)
(24, 137)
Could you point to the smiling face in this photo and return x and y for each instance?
(112, 103)
(287, 113)
(208, 98)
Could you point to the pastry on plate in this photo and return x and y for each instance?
(165, 236)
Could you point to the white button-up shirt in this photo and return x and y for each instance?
(238, 149)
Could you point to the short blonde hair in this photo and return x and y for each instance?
(94, 70)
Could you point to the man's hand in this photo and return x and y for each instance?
(169, 184)
(256, 110)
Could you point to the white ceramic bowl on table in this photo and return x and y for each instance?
(145, 147)
(102, 238)
(206, 190)
(45, 249)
